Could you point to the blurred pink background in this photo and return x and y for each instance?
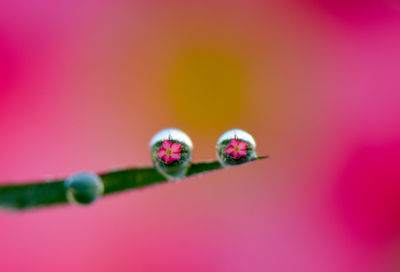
(85, 84)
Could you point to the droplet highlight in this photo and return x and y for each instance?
(171, 152)
(235, 147)
(83, 188)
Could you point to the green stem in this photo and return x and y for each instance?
(33, 195)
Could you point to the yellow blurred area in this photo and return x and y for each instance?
(207, 87)
(206, 78)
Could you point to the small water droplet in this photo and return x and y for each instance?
(83, 188)
(235, 147)
(171, 152)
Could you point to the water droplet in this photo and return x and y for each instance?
(171, 152)
(235, 147)
(83, 188)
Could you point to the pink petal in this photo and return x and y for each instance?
(167, 159)
(161, 152)
(242, 153)
(175, 157)
(236, 155)
(176, 148)
(229, 150)
(166, 144)
(234, 142)
(243, 146)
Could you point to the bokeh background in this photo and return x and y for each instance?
(85, 84)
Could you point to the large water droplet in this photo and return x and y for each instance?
(235, 147)
(171, 152)
(83, 188)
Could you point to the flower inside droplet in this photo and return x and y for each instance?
(236, 148)
(171, 152)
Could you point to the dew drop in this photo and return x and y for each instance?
(235, 147)
(83, 188)
(171, 152)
